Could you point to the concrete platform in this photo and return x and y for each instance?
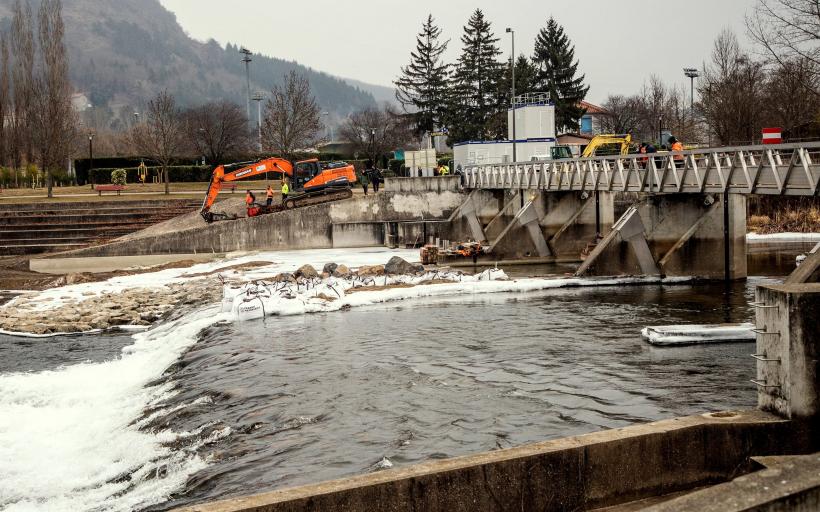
(112, 263)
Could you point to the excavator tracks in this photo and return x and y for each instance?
(326, 196)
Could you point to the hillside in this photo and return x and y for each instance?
(122, 52)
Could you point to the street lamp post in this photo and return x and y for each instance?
(373, 145)
(247, 60)
(326, 115)
(692, 73)
(258, 98)
(512, 65)
(136, 118)
(91, 158)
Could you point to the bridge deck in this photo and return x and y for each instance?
(783, 169)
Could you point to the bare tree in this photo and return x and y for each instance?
(791, 96)
(788, 30)
(5, 98)
(731, 91)
(622, 115)
(374, 132)
(161, 136)
(53, 116)
(292, 117)
(217, 130)
(22, 48)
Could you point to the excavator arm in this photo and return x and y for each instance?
(219, 177)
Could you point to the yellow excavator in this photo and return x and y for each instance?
(608, 144)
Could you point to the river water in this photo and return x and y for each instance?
(256, 406)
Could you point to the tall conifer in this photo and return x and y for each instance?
(474, 98)
(558, 74)
(422, 87)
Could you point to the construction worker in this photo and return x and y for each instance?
(285, 189)
(676, 147)
(365, 181)
(250, 199)
(444, 171)
(269, 195)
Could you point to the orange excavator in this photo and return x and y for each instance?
(311, 182)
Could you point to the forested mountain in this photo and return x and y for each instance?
(122, 52)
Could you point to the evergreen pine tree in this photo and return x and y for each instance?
(557, 69)
(474, 96)
(422, 87)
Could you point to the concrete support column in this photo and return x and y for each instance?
(685, 234)
(788, 350)
(529, 218)
(470, 213)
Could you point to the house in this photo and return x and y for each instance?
(591, 122)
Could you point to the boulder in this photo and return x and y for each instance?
(284, 277)
(329, 268)
(341, 271)
(398, 265)
(371, 270)
(307, 272)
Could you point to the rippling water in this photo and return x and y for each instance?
(296, 400)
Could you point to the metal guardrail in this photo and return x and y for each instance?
(783, 169)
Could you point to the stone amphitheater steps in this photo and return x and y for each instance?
(50, 227)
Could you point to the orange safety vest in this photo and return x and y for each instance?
(270, 193)
(677, 147)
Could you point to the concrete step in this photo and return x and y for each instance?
(52, 233)
(79, 219)
(131, 225)
(145, 210)
(30, 207)
(84, 240)
(21, 250)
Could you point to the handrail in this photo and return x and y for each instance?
(782, 169)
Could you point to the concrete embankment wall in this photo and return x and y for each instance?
(354, 222)
(577, 473)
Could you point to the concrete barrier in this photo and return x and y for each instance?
(577, 473)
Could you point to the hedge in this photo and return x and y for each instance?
(178, 173)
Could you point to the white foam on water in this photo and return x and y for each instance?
(66, 436)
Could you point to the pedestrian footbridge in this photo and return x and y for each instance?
(681, 213)
(786, 169)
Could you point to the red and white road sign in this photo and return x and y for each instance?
(772, 136)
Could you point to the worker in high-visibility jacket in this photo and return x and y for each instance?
(676, 148)
(285, 190)
(250, 199)
(444, 170)
(269, 196)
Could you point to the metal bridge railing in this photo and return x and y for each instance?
(783, 169)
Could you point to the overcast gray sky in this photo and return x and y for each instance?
(619, 44)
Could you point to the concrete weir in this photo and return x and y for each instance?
(358, 222)
(730, 462)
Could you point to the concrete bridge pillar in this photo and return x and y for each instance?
(788, 350)
(687, 235)
(557, 224)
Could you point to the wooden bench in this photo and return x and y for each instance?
(109, 188)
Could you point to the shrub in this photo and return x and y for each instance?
(119, 177)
